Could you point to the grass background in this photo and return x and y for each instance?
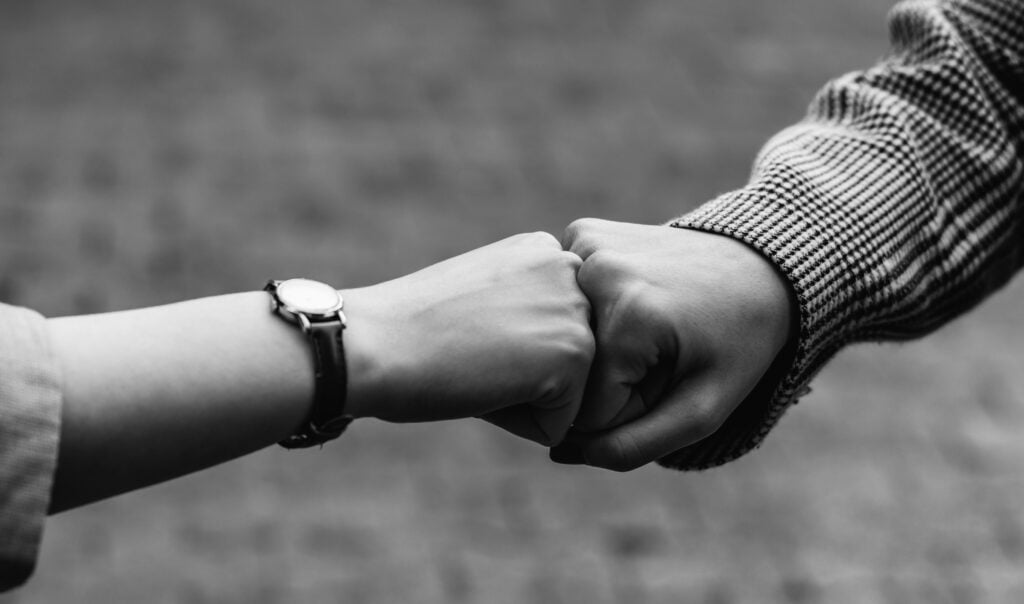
(154, 151)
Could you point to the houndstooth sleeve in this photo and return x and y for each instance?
(894, 206)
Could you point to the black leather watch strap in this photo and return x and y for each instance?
(327, 419)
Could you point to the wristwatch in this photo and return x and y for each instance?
(316, 308)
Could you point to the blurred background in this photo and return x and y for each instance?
(152, 151)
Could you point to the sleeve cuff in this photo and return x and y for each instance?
(766, 221)
(30, 407)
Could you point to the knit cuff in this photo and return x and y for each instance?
(766, 220)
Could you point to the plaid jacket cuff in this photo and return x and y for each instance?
(763, 220)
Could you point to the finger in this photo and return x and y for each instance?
(621, 361)
(567, 453)
(582, 236)
(609, 389)
(691, 413)
(586, 236)
(645, 395)
(624, 379)
(545, 422)
(570, 450)
(617, 362)
(546, 426)
(519, 420)
(643, 398)
(631, 347)
(635, 407)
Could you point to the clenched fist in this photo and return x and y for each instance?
(686, 324)
(500, 332)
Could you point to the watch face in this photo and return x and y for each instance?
(309, 296)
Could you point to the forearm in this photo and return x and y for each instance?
(156, 393)
(499, 332)
(895, 206)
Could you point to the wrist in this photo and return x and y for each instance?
(365, 355)
(767, 294)
(780, 300)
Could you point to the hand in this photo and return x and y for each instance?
(686, 324)
(500, 332)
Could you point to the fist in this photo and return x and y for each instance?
(500, 332)
(686, 323)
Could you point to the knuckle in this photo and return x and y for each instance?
(581, 358)
(602, 268)
(579, 233)
(572, 260)
(565, 373)
(585, 337)
(539, 239)
(552, 388)
(567, 264)
(543, 238)
(581, 346)
(587, 276)
(607, 260)
(580, 306)
(579, 227)
(558, 392)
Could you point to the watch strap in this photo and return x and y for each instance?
(331, 379)
(327, 419)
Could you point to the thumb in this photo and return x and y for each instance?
(691, 412)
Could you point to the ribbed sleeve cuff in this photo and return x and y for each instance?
(30, 407)
(766, 220)
(893, 207)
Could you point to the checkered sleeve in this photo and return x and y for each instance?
(893, 207)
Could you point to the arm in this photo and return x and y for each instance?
(896, 205)
(892, 208)
(155, 393)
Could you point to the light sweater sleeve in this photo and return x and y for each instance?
(893, 207)
(30, 407)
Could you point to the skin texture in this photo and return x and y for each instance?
(152, 394)
(501, 332)
(686, 324)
